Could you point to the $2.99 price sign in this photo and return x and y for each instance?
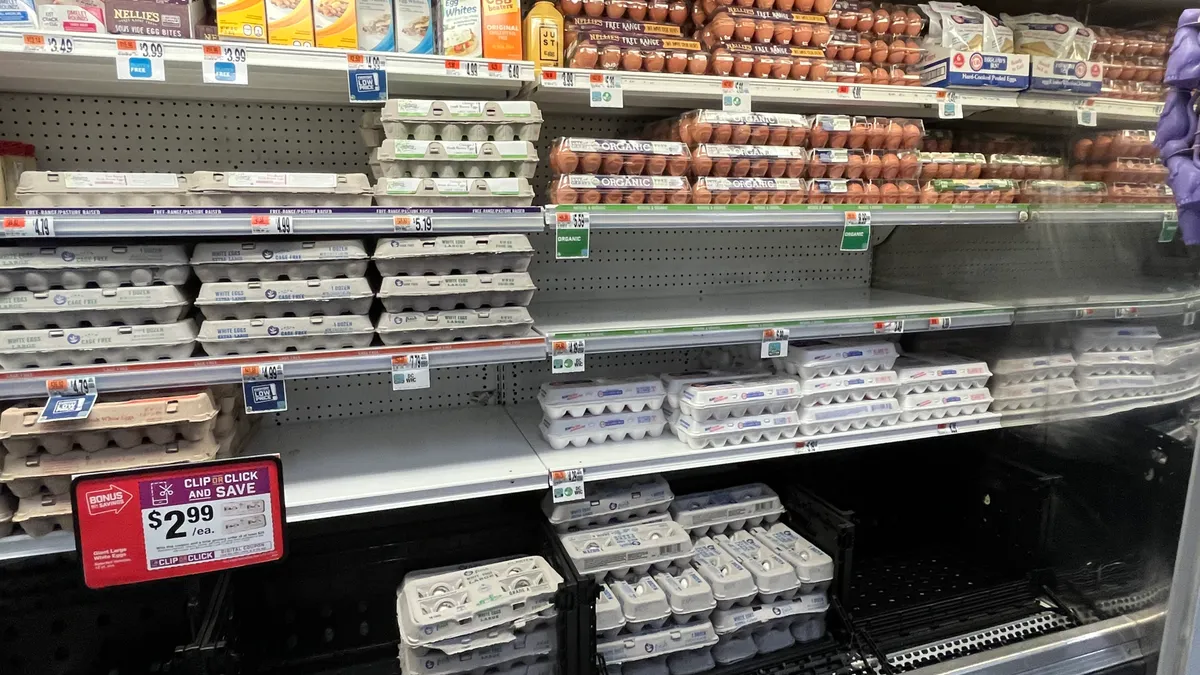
(163, 522)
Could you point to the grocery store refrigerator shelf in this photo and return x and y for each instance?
(1102, 214)
(1062, 110)
(690, 216)
(1085, 409)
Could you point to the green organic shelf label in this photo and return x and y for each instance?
(572, 235)
(856, 233)
(1170, 226)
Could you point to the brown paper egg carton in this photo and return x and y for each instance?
(42, 513)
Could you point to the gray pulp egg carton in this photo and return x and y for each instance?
(7, 509)
(283, 334)
(813, 567)
(416, 256)
(691, 662)
(42, 268)
(272, 260)
(942, 404)
(1127, 362)
(579, 431)
(294, 297)
(396, 158)
(1105, 387)
(712, 512)
(735, 430)
(1113, 337)
(1040, 394)
(51, 347)
(654, 644)
(844, 388)
(610, 619)
(427, 120)
(462, 192)
(610, 502)
(495, 635)
(1021, 368)
(472, 291)
(731, 583)
(524, 649)
(721, 400)
(826, 419)
(770, 626)
(266, 189)
(67, 189)
(152, 418)
(96, 306)
(734, 648)
(838, 357)
(371, 129)
(675, 383)
(643, 602)
(624, 549)
(576, 398)
(403, 328)
(688, 594)
(1177, 353)
(41, 513)
(939, 371)
(775, 578)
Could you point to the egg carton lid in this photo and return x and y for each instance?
(641, 598)
(835, 383)
(96, 337)
(1099, 382)
(267, 252)
(407, 286)
(394, 150)
(675, 383)
(668, 640)
(279, 181)
(453, 187)
(73, 257)
(850, 409)
(1025, 160)
(42, 505)
(71, 182)
(608, 610)
(812, 565)
(415, 247)
(621, 146)
(944, 399)
(717, 184)
(717, 506)
(400, 322)
(1094, 332)
(777, 577)
(536, 643)
(730, 580)
(605, 421)
(1051, 387)
(599, 389)
(21, 420)
(609, 548)
(1165, 379)
(1140, 357)
(91, 299)
(731, 620)
(44, 465)
(1019, 363)
(693, 429)
(282, 291)
(613, 496)
(833, 122)
(738, 151)
(486, 112)
(284, 327)
(842, 350)
(752, 118)
(927, 366)
(686, 590)
(709, 394)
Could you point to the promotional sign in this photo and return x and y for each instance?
(71, 398)
(163, 522)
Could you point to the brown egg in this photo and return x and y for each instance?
(702, 164)
(912, 53)
(701, 195)
(776, 168)
(845, 51)
(1102, 148)
(858, 135)
(883, 19)
(872, 167)
(722, 166)
(698, 63)
(744, 28)
(960, 170)
(815, 196)
(879, 51)
(700, 132)
(797, 136)
(635, 197)
(836, 170)
(891, 166)
(877, 134)
(817, 168)
(819, 138)
(614, 9)
(781, 68)
(635, 10)
(796, 167)
(759, 134)
(908, 193)
(631, 60)
(677, 165)
(593, 7)
(802, 34)
(910, 136)
(928, 195)
(759, 197)
(889, 193)
(654, 62)
(742, 65)
(678, 14)
(590, 162)
(565, 194)
(585, 56)
(819, 72)
(567, 160)
(854, 167)
(571, 7)
(945, 170)
(909, 166)
(614, 196)
(591, 197)
(740, 197)
(915, 23)
(784, 32)
(740, 134)
(762, 66)
(722, 62)
(722, 133)
(721, 197)
(610, 57)
(862, 53)
(880, 76)
(974, 170)
(899, 22)
(764, 31)
(657, 10)
(784, 5)
(681, 196)
(820, 36)
(612, 164)
(838, 139)
(895, 136)
(656, 165)
(822, 6)
(864, 76)
(656, 197)
(864, 21)
(777, 135)
(847, 20)
(870, 193)
(677, 62)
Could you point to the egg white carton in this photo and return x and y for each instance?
(472, 291)
(454, 159)
(51, 347)
(813, 567)
(427, 120)
(490, 254)
(1104, 387)
(223, 300)
(675, 383)
(826, 419)
(96, 306)
(775, 578)
(576, 398)
(837, 357)
(524, 649)
(702, 513)
(688, 594)
(669, 640)
(643, 602)
(272, 260)
(627, 549)
(277, 189)
(1174, 383)
(1113, 337)
(284, 334)
(403, 328)
(844, 388)
(579, 431)
(1040, 394)
(754, 618)
(941, 404)
(42, 268)
(1023, 368)
(462, 192)
(939, 371)
(735, 430)
(731, 583)
(41, 513)
(610, 502)
(610, 619)
(1179, 353)
(721, 400)
(8, 507)
(67, 189)
(1126, 362)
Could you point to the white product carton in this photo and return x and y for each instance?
(491, 254)
(736, 430)
(609, 617)
(397, 158)
(1131, 362)
(843, 388)
(954, 68)
(1175, 383)
(283, 334)
(775, 578)
(625, 549)
(1177, 354)
(1104, 387)
(40, 268)
(300, 297)
(460, 324)
(576, 398)
(78, 16)
(940, 404)
(579, 431)
(1030, 367)
(735, 508)
(472, 291)
(96, 306)
(527, 648)
(826, 419)
(731, 583)
(414, 30)
(688, 594)
(1114, 337)
(18, 14)
(462, 192)
(813, 566)
(1039, 394)
(610, 502)
(48, 348)
(643, 602)
(675, 383)
(40, 514)
(669, 640)
(269, 261)
(838, 357)
(376, 29)
(427, 120)
(939, 371)
(277, 189)
(1065, 76)
(50, 189)
(720, 400)
(461, 28)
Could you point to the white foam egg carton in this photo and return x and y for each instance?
(267, 189)
(721, 400)
(8, 507)
(688, 594)
(472, 291)
(751, 618)
(493, 635)
(299, 297)
(63, 308)
(610, 502)
(579, 431)
(628, 549)
(427, 120)
(575, 398)
(675, 383)
(463, 192)
(525, 649)
(643, 602)
(1178, 353)
(731, 583)
(702, 513)
(272, 260)
(775, 578)
(401, 328)
(666, 641)
(735, 430)
(1113, 337)
(1125, 362)
(610, 619)
(1174, 383)
(285, 334)
(1039, 394)
(1104, 387)
(1024, 368)
(939, 371)
(40, 514)
(67, 189)
(51, 347)
(942, 404)
(813, 567)
(396, 158)
(415, 256)
(844, 388)
(42, 268)
(838, 357)
(826, 419)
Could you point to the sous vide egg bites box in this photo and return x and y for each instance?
(401, 192)
(227, 337)
(76, 267)
(269, 261)
(717, 126)
(462, 254)
(636, 53)
(52, 347)
(739, 161)
(964, 191)
(276, 298)
(618, 156)
(710, 190)
(96, 306)
(406, 328)
(49, 189)
(658, 11)
(605, 189)
(396, 158)
(427, 120)
(264, 189)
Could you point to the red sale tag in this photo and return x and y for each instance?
(164, 522)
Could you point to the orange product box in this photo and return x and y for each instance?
(244, 20)
(502, 29)
(290, 22)
(337, 23)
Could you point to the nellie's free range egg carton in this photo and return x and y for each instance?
(294, 297)
(838, 357)
(730, 581)
(64, 308)
(688, 594)
(624, 549)
(526, 648)
(1104, 387)
(579, 431)
(50, 347)
(656, 644)
(428, 120)
(277, 189)
(1177, 353)
(610, 618)
(643, 602)
(489, 254)
(472, 291)
(735, 430)
(1020, 368)
(269, 261)
(72, 267)
(774, 577)
(39, 514)
(941, 404)
(720, 400)
(610, 502)
(750, 505)
(67, 189)
(282, 334)
(852, 387)
(464, 192)
(576, 398)
(938, 371)
(1113, 337)
(454, 159)
(1125, 362)
(1040, 394)
(457, 324)
(675, 383)
(826, 419)
(814, 567)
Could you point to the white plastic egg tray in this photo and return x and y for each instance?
(1023, 368)
(688, 594)
(489, 254)
(1174, 383)
(50, 347)
(643, 602)
(96, 306)
(39, 514)
(457, 324)
(609, 503)
(838, 357)
(1113, 337)
(669, 640)
(813, 567)
(427, 120)
(774, 577)
(576, 398)
(844, 388)
(285, 334)
(269, 261)
(939, 371)
(1104, 387)
(472, 291)
(731, 583)
(941, 404)
(579, 431)
(7, 510)
(67, 189)
(610, 618)
(40, 269)
(735, 430)
(721, 400)
(1040, 394)
(454, 159)
(735, 508)
(1179, 353)
(301, 297)
(675, 383)
(826, 419)
(278, 189)
(627, 549)
(1125, 362)
(463, 192)
(526, 649)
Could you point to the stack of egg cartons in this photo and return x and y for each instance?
(1177, 363)
(1114, 360)
(1032, 378)
(582, 411)
(441, 289)
(845, 384)
(713, 409)
(937, 385)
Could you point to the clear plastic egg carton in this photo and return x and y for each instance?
(74, 267)
(721, 400)
(274, 260)
(813, 567)
(526, 649)
(643, 602)
(42, 513)
(775, 578)
(415, 256)
(1127, 362)
(1105, 387)
(454, 291)
(96, 306)
(579, 431)
(405, 328)
(844, 388)
(837, 357)
(735, 430)
(1177, 353)
(827, 419)
(761, 629)
(156, 419)
(8, 507)
(427, 120)
(656, 644)
(224, 300)
(628, 549)
(941, 404)
(285, 334)
(688, 594)
(80, 189)
(610, 619)
(454, 159)
(1174, 383)
(675, 383)
(52, 347)
(609, 503)
(462, 192)
(731, 583)
(267, 189)
(1040, 394)
(1025, 368)
(938, 371)
(575, 398)
(735, 508)
(1113, 337)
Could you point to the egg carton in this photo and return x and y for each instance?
(463, 192)
(268, 189)
(675, 383)
(1105, 387)
(1178, 353)
(837, 357)
(1113, 337)
(224, 300)
(1126, 362)
(942, 404)
(688, 594)
(370, 127)
(732, 584)
(73, 267)
(704, 513)
(664, 642)
(7, 510)
(79, 189)
(427, 120)
(96, 306)
(826, 419)
(285, 334)
(51, 347)
(522, 624)
(1024, 368)
(776, 579)
(576, 398)
(1040, 394)
(627, 549)
(156, 419)
(772, 637)
(470, 291)
(41, 513)
(643, 602)
(735, 430)
(491, 254)
(610, 619)
(526, 649)
(931, 372)
(609, 503)
(754, 618)
(1174, 383)
(845, 388)
(26, 476)
(721, 400)
(453, 159)
(579, 431)
(813, 567)
(457, 324)
(272, 260)
(691, 662)
(734, 648)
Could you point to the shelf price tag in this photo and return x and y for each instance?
(264, 388)
(811, 445)
(572, 235)
(265, 224)
(224, 64)
(555, 78)
(1170, 226)
(735, 96)
(849, 92)
(949, 107)
(1085, 114)
(939, 323)
(140, 60)
(1127, 312)
(884, 327)
(71, 398)
(367, 78)
(462, 68)
(606, 91)
(774, 343)
(566, 486)
(49, 44)
(1085, 313)
(412, 223)
(16, 227)
(410, 371)
(504, 71)
(1189, 318)
(947, 428)
(567, 356)
(856, 233)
